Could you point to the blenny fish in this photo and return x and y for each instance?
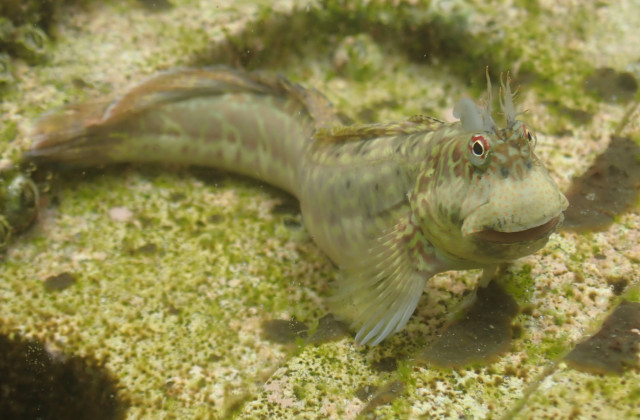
(390, 204)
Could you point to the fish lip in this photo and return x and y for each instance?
(527, 235)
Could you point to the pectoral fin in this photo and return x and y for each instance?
(381, 288)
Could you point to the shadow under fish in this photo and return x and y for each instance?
(614, 348)
(607, 189)
(484, 332)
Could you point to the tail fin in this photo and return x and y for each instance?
(247, 123)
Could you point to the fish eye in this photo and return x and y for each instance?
(478, 146)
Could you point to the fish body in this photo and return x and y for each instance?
(391, 204)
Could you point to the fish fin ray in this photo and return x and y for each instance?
(379, 292)
(416, 124)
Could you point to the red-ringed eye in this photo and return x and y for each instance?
(478, 146)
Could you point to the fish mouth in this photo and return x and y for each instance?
(526, 235)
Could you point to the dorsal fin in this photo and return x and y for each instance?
(178, 85)
(415, 124)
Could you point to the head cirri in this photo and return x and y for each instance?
(483, 195)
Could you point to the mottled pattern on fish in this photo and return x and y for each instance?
(210, 108)
(391, 204)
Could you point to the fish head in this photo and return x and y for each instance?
(482, 195)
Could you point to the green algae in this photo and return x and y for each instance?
(425, 34)
(518, 282)
(387, 394)
(30, 44)
(25, 30)
(632, 294)
(203, 259)
(579, 393)
(358, 57)
(106, 274)
(59, 282)
(35, 12)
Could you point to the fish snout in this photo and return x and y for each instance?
(517, 206)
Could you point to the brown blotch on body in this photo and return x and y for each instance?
(458, 170)
(456, 154)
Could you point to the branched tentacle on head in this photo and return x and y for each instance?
(506, 101)
(480, 118)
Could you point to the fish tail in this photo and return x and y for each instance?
(245, 123)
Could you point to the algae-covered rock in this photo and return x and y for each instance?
(29, 43)
(169, 275)
(6, 77)
(36, 12)
(25, 28)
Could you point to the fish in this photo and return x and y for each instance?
(391, 204)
